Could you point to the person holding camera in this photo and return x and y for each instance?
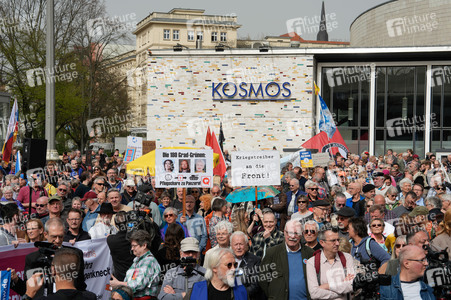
(144, 274)
(64, 271)
(180, 279)
(408, 283)
(41, 260)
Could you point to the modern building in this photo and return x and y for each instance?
(381, 98)
(403, 23)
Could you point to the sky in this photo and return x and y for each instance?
(259, 18)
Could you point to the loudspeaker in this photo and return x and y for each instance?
(34, 153)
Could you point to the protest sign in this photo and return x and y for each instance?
(255, 168)
(321, 159)
(136, 143)
(5, 283)
(306, 159)
(129, 155)
(184, 168)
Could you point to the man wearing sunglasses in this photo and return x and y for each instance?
(343, 216)
(408, 283)
(220, 280)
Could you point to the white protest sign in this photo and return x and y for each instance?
(134, 142)
(320, 159)
(255, 168)
(98, 266)
(183, 168)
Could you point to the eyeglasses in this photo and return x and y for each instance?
(397, 246)
(313, 189)
(308, 231)
(234, 264)
(376, 225)
(62, 190)
(340, 218)
(333, 241)
(41, 205)
(340, 205)
(169, 215)
(302, 201)
(134, 245)
(441, 189)
(424, 260)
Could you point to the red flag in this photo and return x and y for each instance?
(208, 138)
(323, 144)
(221, 167)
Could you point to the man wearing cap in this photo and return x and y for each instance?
(320, 211)
(419, 216)
(177, 281)
(55, 207)
(343, 216)
(92, 210)
(103, 228)
(378, 181)
(129, 192)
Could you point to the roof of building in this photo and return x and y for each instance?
(295, 37)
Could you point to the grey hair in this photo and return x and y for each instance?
(322, 232)
(404, 181)
(64, 182)
(290, 174)
(171, 209)
(295, 223)
(434, 201)
(445, 197)
(309, 184)
(98, 179)
(214, 259)
(7, 189)
(53, 222)
(310, 222)
(224, 225)
(241, 234)
(392, 191)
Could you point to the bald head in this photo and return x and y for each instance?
(379, 200)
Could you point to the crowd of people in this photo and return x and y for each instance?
(309, 241)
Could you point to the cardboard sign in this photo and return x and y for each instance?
(255, 168)
(306, 159)
(134, 142)
(183, 168)
(321, 159)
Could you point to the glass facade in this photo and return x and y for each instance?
(400, 106)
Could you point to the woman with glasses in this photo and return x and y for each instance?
(302, 202)
(143, 276)
(377, 228)
(400, 242)
(170, 216)
(390, 198)
(35, 231)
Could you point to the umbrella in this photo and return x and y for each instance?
(146, 163)
(246, 194)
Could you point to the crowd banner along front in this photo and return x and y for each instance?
(186, 168)
(255, 168)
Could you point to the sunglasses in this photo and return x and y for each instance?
(376, 225)
(234, 264)
(397, 246)
(41, 205)
(302, 201)
(440, 189)
(62, 190)
(308, 231)
(168, 215)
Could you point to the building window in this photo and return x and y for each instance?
(190, 35)
(200, 36)
(214, 36)
(223, 36)
(166, 34)
(176, 35)
(440, 114)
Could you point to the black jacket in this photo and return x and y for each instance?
(121, 253)
(249, 264)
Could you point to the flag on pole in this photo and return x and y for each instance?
(11, 133)
(18, 164)
(326, 120)
(326, 145)
(208, 137)
(221, 137)
(221, 167)
(5, 277)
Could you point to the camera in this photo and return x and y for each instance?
(189, 263)
(438, 272)
(139, 220)
(143, 199)
(368, 282)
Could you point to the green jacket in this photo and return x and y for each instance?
(274, 266)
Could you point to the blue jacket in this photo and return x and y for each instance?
(200, 291)
(394, 291)
(290, 194)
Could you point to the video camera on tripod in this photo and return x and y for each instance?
(369, 281)
(438, 272)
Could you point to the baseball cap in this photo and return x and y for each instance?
(89, 195)
(320, 203)
(129, 182)
(189, 244)
(55, 198)
(419, 210)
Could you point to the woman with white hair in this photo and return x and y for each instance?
(391, 198)
(8, 198)
(406, 186)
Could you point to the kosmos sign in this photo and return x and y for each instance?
(251, 91)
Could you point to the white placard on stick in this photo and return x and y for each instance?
(255, 168)
(186, 168)
(320, 159)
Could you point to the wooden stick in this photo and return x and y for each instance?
(256, 197)
(183, 201)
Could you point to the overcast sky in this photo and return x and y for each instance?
(260, 18)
